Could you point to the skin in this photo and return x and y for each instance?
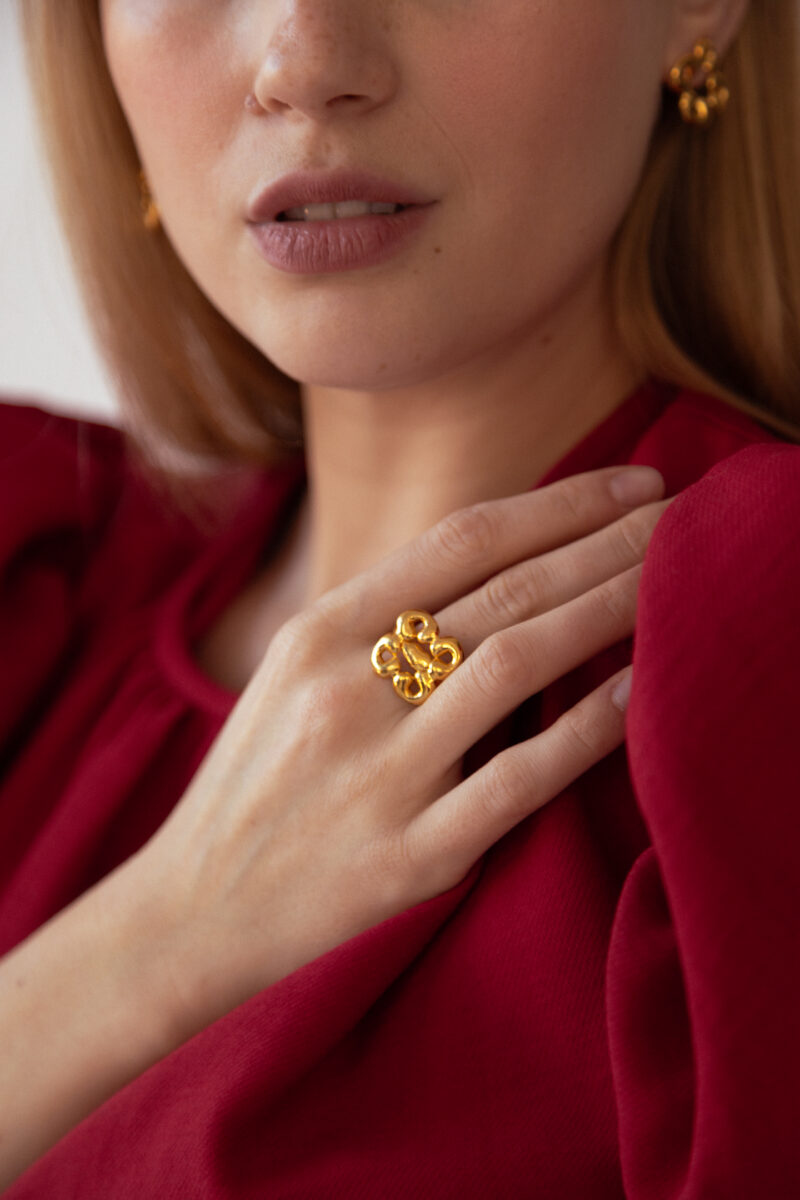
(484, 350)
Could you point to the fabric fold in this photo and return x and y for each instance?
(712, 730)
(234, 1076)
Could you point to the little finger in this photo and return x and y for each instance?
(446, 838)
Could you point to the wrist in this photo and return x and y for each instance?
(142, 946)
(85, 1007)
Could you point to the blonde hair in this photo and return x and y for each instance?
(705, 266)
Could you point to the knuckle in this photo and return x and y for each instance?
(291, 640)
(319, 707)
(584, 729)
(318, 702)
(570, 499)
(300, 640)
(399, 868)
(511, 784)
(507, 596)
(617, 599)
(384, 863)
(498, 665)
(634, 535)
(519, 593)
(464, 536)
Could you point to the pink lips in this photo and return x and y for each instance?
(320, 247)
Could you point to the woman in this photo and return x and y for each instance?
(412, 283)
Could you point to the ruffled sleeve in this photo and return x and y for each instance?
(59, 480)
(703, 975)
(83, 540)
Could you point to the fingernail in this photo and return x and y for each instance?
(637, 485)
(622, 691)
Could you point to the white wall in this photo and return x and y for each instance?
(46, 352)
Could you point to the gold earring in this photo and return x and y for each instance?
(150, 213)
(697, 108)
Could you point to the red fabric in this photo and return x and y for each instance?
(606, 1006)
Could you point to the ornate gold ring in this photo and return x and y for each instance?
(415, 643)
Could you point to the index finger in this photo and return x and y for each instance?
(471, 544)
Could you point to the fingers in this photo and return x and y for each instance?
(447, 837)
(474, 543)
(517, 662)
(535, 586)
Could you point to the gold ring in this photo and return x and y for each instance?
(415, 640)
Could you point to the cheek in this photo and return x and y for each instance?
(553, 96)
(167, 62)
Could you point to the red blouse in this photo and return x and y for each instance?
(606, 1006)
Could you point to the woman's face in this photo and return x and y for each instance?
(525, 123)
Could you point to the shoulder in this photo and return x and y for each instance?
(737, 514)
(60, 479)
(29, 430)
(712, 418)
(717, 635)
(708, 917)
(717, 598)
(695, 432)
(73, 505)
(84, 542)
(54, 463)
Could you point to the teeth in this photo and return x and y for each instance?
(332, 212)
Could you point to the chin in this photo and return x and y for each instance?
(351, 365)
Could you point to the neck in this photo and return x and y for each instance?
(383, 466)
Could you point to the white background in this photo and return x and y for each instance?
(46, 350)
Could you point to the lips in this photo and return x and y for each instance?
(331, 187)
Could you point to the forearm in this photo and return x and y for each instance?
(84, 1009)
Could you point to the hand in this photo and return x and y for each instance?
(327, 804)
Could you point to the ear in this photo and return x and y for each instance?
(718, 20)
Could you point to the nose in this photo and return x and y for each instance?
(325, 59)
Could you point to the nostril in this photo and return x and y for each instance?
(346, 97)
(276, 106)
